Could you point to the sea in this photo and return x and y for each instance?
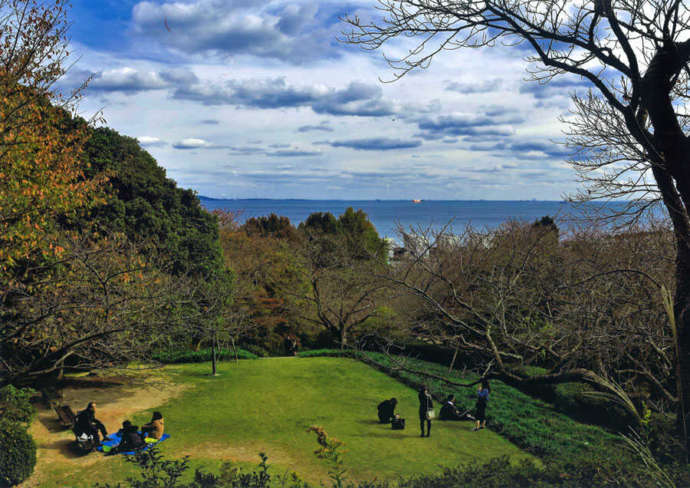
(388, 216)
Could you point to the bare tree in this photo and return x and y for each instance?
(631, 129)
(101, 305)
(345, 291)
(215, 317)
(516, 297)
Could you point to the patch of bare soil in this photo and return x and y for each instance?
(116, 398)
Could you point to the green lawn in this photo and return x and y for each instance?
(268, 404)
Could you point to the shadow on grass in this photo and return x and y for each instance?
(53, 425)
(66, 448)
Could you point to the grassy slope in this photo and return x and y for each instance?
(533, 424)
(267, 405)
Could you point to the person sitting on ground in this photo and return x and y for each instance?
(387, 410)
(130, 437)
(87, 423)
(155, 428)
(451, 412)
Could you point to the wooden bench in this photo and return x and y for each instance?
(66, 415)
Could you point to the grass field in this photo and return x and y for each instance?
(267, 405)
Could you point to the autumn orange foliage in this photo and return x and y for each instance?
(42, 171)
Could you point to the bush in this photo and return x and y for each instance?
(331, 353)
(500, 473)
(200, 356)
(15, 404)
(17, 454)
(257, 350)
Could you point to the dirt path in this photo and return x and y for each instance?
(116, 398)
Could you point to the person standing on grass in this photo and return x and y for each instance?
(426, 409)
(482, 401)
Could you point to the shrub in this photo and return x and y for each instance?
(332, 353)
(201, 356)
(157, 472)
(500, 473)
(17, 454)
(15, 404)
(257, 350)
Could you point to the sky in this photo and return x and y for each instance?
(259, 99)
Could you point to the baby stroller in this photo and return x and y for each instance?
(85, 441)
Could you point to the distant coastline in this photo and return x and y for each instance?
(388, 215)
(203, 197)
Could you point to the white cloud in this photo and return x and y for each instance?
(245, 120)
(150, 141)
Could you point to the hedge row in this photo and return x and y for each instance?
(200, 356)
(17, 447)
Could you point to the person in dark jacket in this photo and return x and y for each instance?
(387, 410)
(87, 423)
(482, 401)
(426, 406)
(131, 438)
(451, 412)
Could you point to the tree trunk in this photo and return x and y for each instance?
(682, 317)
(343, 337)
(455, 356)
(234, 350)
(213, 354)
(670, 157)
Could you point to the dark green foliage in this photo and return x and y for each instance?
(320, 222)
(352, 229)
(15, 404)
(546, 223)
(201, 356)
(147, 206)
(362, 238)
(271, 226)
(499, 473)
(257, 350)
(17, 453)
(334, 353)
(157, 472)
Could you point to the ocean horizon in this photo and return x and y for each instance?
(388, 215)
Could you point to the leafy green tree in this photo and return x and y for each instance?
(344, 259)
(147, 206)
(271, 226)
(362, 238)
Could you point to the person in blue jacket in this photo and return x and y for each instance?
(482, 401)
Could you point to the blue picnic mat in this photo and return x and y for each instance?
(116, 438)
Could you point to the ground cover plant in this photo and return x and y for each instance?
(267, 406)
(533, 424)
